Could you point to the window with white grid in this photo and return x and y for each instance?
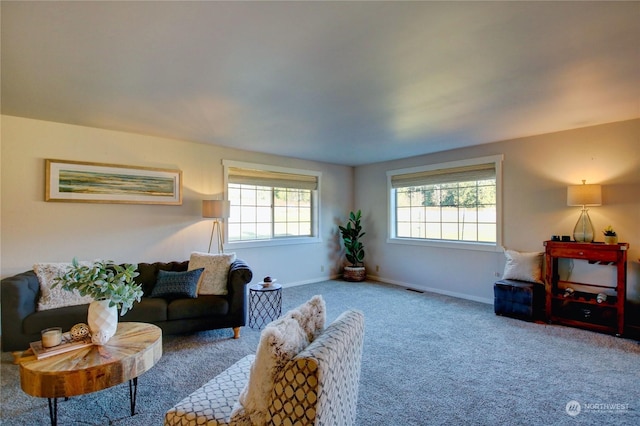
(271, 203)
(454, 202)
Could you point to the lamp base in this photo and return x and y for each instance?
(583, 231)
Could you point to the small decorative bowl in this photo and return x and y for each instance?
(267, 284)
(79, 331)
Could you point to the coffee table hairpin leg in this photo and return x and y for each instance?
(133, 393)
(53, 411)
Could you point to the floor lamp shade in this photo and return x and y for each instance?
(216, 209)
(584, 195)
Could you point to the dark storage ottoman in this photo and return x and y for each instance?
(518, 299)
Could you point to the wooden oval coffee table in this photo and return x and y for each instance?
(134, 349)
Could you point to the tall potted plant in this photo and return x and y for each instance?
(110, 285)
(354, 249)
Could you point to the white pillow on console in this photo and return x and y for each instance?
(216, 271)
(51, 298)
(523, 266)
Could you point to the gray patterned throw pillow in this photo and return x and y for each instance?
(176, 285)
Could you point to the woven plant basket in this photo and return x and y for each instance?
(354, 273)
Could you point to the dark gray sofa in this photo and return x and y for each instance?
(22, 323)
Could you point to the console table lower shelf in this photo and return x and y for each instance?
(134, 349)
(582, 310)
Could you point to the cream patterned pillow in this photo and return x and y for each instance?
(216, 271)
(523, 266)
(280, 341)
(51, 298)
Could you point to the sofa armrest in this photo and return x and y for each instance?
(239, 276)
(19, 299)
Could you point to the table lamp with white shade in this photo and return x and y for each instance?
(584, 195)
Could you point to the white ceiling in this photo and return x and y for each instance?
(341, 82)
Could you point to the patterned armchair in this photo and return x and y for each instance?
(319, 386)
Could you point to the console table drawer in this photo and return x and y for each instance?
(577, 253)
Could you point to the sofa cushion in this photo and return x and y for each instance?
(203, 306)
(216, 271)
(65, 317)
(57, 297)
(147, 310)
(174, 285)
(149, 273)
(279, 342)
(523, 266)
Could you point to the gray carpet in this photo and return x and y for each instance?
(428, 360)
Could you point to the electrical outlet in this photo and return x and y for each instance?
(497, 274)
(321, 268)
(377, 268)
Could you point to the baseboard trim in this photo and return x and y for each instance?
(311, 281)
(412, 287)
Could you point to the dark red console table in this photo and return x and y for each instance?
(582, 309)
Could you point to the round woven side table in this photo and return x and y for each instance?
(265, 304)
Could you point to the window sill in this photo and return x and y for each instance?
(459, 245)
(271, 242)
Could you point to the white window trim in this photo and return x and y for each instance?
(462, 245)
(315, 213)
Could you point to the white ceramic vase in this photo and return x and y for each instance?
(102, 320)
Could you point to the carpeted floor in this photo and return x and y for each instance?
(428, 360)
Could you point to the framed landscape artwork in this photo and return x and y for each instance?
(81, 182)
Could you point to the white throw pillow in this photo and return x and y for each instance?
(280, 341)
(523, 266)
(216, 271)
(311, 315)
(51, 298)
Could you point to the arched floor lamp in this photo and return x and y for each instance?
(216, 210)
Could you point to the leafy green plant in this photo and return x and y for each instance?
(351, 235)
(103, 280)
(609, 232)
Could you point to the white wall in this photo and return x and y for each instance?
(33, 230)
(536, 172)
